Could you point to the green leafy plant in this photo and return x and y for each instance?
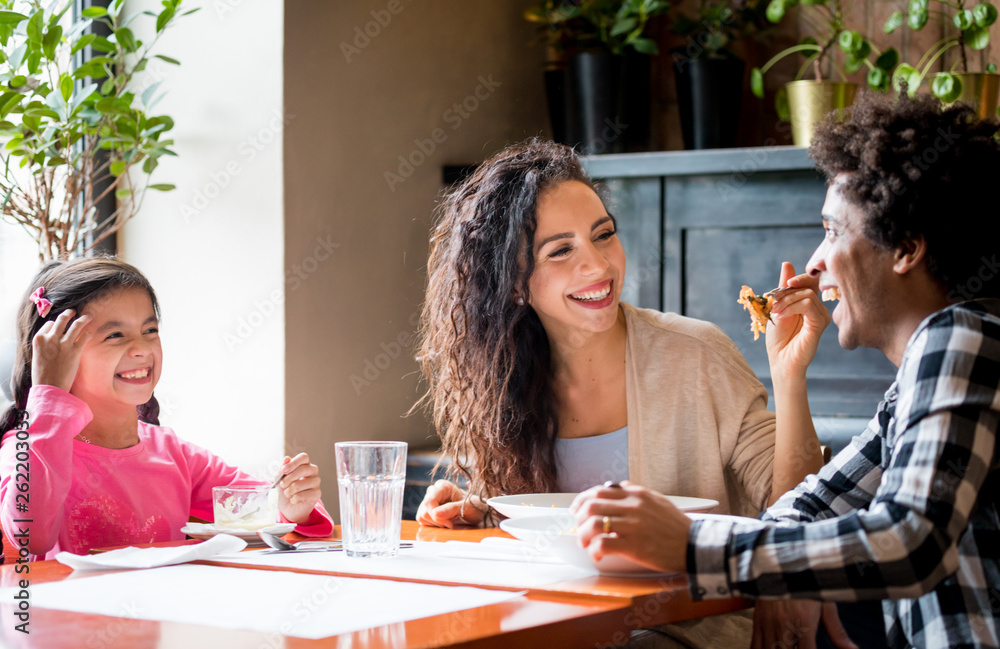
(715, 25)
(586, 25)
(857, 50)
(72, 132)
(973, 25)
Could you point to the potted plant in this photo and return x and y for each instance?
(75, 133)
(806, 102)
(602, 49)
(973, 32)
(708, 73)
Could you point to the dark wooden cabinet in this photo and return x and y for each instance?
(697, 225)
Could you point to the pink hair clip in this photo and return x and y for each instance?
(43, 305)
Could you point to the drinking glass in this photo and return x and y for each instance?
(245, 507)
(371, 477)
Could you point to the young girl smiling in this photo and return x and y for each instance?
(103, 472)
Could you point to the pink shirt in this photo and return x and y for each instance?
(82, 496)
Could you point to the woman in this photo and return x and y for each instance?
(540, 380)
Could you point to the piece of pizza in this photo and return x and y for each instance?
(759, 308)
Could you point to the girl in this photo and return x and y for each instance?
(101, 470)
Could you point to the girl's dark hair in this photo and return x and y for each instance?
(70, 285)
(485, 357)
(918, 168)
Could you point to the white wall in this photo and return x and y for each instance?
(213, 247)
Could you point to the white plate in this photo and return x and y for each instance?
(547, 504)
(205, 531)
(554, 535)
(532, 504)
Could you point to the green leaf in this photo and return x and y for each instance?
(984, 14)
(167, 59)
(102, 44)
(18, 81)
(117, 168)
(757, 83)
(126, 39)
(123, 193)
(852, 64)
(894, 22)
(946, 86)
(775, 10)
(84, 41)
(888, 60)
(94, 12)
(978, 38)
(622, 26)
(850, 41)
(908, 75)
(963, 19)
(11, 17)
(991, 68)
(149, 164)
(34, 62)
(781, 104)
(162, 187)
(916, 6)
(107, 87)
(878, 79)
(34, 28)
(645, 46)
(167, 15)
(66, 86)
(51, 41)
(917, 20)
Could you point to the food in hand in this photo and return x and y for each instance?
(831, 294)
(759, 308)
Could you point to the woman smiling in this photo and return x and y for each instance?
(541, 380)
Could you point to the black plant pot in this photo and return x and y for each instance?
(710, 97)
(608, 103)
(562, 114)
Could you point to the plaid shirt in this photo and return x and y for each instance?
(907, 513)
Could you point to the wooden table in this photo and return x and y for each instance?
(590, 612)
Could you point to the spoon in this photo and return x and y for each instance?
(281, 545)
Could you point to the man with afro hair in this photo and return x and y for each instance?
(906, 518)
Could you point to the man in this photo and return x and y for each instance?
(908, 513)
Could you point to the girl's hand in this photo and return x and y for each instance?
(299, 489)
(644, 526)
(445, 505)
(56, 350)
(798, 320)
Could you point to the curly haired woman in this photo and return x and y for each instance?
(540, 380)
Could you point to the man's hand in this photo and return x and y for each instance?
(641, 525)
(798, 319)
(791, 623)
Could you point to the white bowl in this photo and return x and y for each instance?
(547, 504)
(555, 535)
(532, 504)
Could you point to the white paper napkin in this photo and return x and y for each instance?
(152, 557)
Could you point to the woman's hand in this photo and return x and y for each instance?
(56, 350)
(643, 526)
(798, 319)
(445, 505)
(298, 491)
(794, 622)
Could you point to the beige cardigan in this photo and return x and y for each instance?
(697, 423)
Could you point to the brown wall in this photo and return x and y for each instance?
(347, 124)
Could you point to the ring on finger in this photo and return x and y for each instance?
(606, 527)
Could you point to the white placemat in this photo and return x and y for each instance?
(266, 601)
(427, 561)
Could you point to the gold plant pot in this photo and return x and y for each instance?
(980, 90)
(810, 101)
